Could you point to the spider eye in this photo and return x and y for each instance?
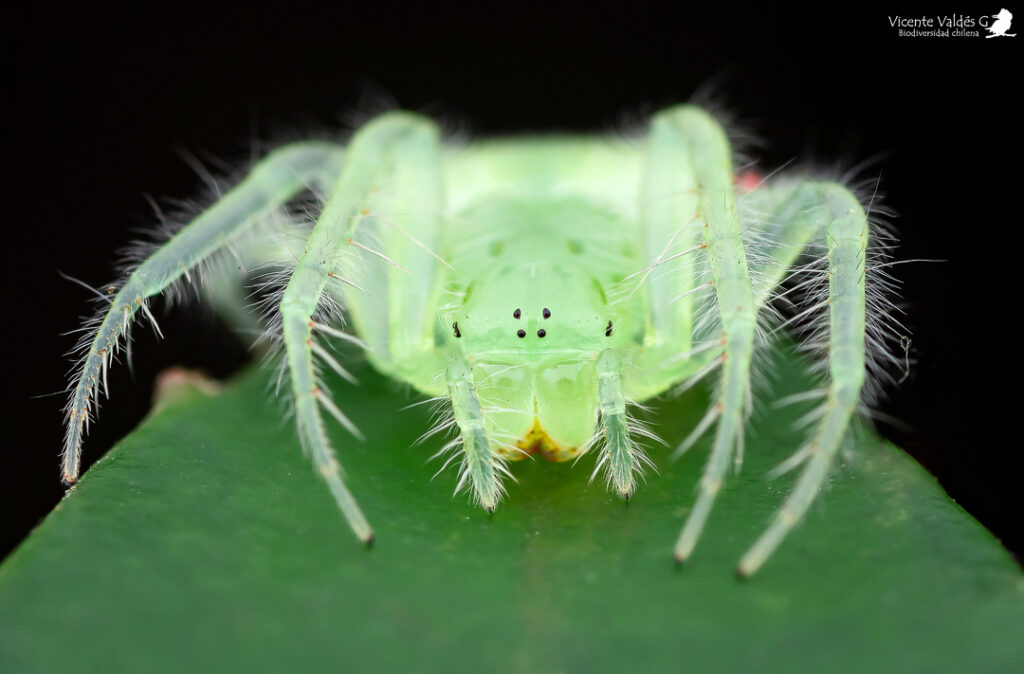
(542, 332)
(516, 313)
(521, 334)
(546, 313)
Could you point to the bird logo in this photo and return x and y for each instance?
(1001, 24)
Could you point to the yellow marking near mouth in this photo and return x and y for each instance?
(538, 440)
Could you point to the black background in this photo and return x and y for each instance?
(98, 102)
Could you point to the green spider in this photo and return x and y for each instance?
(536, 285)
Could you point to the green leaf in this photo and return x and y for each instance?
(205, 542)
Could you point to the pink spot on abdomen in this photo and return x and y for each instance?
(748, 180)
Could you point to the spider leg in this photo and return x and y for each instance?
(673, 285)
(672, 236)
(401, 232)
(846, 235)
(622, 459)
(700, 145)
(401, 330)
(396, 147)
(482, 466)
(791, 208)
(272, 182)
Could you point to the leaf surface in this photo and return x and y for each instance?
(205, 542)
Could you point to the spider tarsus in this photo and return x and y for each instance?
(368, 541)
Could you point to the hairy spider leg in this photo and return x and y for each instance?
(398, 239)
(273, 182)
(621, 457)
(802, 211)
(688, 146)
(397, 147)
(834, 210)
(482, 466)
